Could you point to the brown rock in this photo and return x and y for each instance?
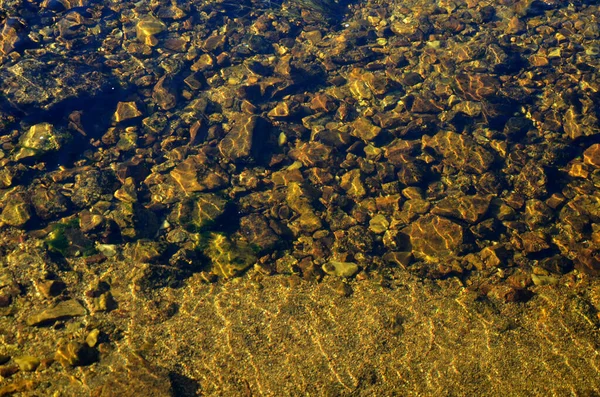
(245, 139)
(411, 171)
(477, 87)
(412, 208)
(401, 259)
(471, 209)
(147, 27)
(205, 62)
(591, 155)
(537, 214)
(137, 377)
(353, 184)
(399, 150)
(311, 153)
(198, 212)
(76, 354)
(587, 260)
(378, 83)
(425, 104)
(532, 242)
(323, 103)
(515, 25)
(532, 180)
(470, 108)
(195, 175)
(214, 43)
(9, 36)
(494, 256)
(60, 311)
(434, 238)
(163, 94)
(578, 170)
(538, 61)
(257, 231)
(16, 211)
(284, 110)
(461, 152)
(364, 129)
(360, 90)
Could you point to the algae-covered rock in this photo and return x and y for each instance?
(40, 139)
(228, 257)
(198, 212)
(68, 240)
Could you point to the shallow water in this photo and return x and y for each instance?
(299, 198)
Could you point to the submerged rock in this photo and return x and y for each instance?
(434, 238)
(247, 139)
(228, 257)
(40, 139)
(61, 311)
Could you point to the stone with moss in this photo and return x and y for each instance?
(228, 257)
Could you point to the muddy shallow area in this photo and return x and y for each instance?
(299, 198)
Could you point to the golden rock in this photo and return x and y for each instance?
(16, 211)
(128, 192)
(379, 224)
(433, 238)
(205, 62)
(147, 27)
(365, 130)
(578, 170)
(75, 354)
(280, 111)
(360, 90)
(340, 269)
(126, 111)
(353, 184)
(591, 155)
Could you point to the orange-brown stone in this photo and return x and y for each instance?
(591, 155)
(434, 238)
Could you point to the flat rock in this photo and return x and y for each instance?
(434, 237)
(258, 232)
(461, 152)
(591, 155)
(365, 130)
(198, 212)
(477, 86)
(467, 208)
(194, 174)
(136, 378)
(60, 311)
(340, 269)
(245, 139)
(44, 83)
